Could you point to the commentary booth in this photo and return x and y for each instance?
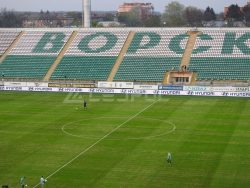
(180, 77)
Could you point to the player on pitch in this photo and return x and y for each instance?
(22, 182)
(169, 158)
(85, 105)
(42, 181)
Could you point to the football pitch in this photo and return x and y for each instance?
(123, 141)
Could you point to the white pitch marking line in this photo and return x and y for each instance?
(94, 144)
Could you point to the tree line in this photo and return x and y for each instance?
(174, 15)
(177, 15)
(10, 19)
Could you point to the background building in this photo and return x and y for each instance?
(145, 9)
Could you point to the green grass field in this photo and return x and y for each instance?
(123, 141)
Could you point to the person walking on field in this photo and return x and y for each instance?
(22, 182)
(42, 181)
(169, 158)
(85, 105)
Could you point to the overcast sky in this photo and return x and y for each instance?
(75, 5)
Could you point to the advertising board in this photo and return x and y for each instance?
(147, 87)
(29, 84)
(170, 87)
(125, 91)
(117, 85)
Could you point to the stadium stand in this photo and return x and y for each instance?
(91, 55)
(222, 55)
(6, 38)
(150, 56)
(33, 54)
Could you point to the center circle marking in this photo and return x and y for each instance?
(170, 130)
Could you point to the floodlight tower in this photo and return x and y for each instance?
(86, 14)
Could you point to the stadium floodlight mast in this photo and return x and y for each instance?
(86, 13)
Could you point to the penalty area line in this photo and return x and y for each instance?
(98, 141)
